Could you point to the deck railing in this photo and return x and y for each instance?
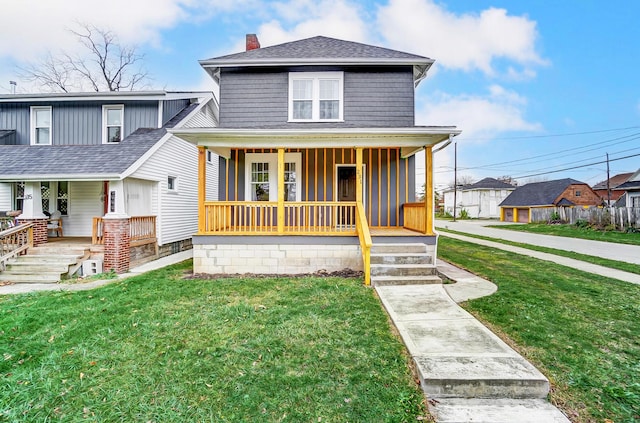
(260, 218)
(365, 241)
(14, 241)
(414, 217)
(142, 230)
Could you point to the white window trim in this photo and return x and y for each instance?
(272, 159)
(34, 109)
(315, 108)
(175, 183)
(105, 108)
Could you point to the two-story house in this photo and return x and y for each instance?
(317, 144)
(91, 160)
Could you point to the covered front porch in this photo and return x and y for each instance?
(305, 190)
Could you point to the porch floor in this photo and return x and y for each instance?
(71, 241)
(393, 232)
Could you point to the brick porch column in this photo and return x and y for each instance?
(39, 229)
(117, 255)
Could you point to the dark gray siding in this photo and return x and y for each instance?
(16, 117)
(389, 179)
(378, 97)
(77, 122)
(170, 108)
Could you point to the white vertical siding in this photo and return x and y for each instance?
(6, 200)
(177, 213)
(85, 203)
(139, 197)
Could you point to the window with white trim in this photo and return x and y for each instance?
(41, 125)
(172, 183)
(316, 96)
(262, 176)
(112, 123)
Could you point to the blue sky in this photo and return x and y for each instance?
(535, 86)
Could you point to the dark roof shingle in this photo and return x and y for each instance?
(77, 160)
(538, 193)
(320, 48)
(488, 183)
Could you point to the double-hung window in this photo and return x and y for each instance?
(315, 96)
(41, 125)
(262, 176)
(112, 123)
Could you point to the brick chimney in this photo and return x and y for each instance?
(252, 42)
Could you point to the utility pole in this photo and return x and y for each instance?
(608, 185)
(455, 178)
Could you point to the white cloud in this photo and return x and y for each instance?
(478, 116)
(467, 41)
(300, 19)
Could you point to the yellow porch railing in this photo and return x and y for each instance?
(261, 217)
(365, 241)
(415, 217)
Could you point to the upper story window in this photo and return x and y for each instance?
(112, 123)
(41, 125)
(315, 96)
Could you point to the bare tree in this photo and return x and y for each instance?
(106, 65)
(462, 180)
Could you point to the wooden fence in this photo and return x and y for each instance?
(618, 217)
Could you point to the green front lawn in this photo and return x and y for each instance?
(573, 231)
(162, 348)
(580, 329)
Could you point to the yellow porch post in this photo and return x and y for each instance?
(281, 190)
(202, 187)
(359, 175)
(501, 214)
(516, 218)
(428, 191)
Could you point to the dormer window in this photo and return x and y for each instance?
(41, 125)
(112, 123)
(315, 96)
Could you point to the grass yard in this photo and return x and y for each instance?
(613, 264)
(580, 329)
(161, 348)
(573, 231)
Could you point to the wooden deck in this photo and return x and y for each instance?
(393, 232)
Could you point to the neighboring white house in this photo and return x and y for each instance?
(631, 196)
(80, 154)
(480, 200)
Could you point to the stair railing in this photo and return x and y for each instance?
(365, 241)
(14, 241)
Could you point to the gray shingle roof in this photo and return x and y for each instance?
(538, 193)
(488, 183)
(77, 160)
(320, 48)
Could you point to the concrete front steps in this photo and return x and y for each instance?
(402, 264)
(44, 264)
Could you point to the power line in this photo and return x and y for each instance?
(567, 134)
(630, 137)
(575, 167)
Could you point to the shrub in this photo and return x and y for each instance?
(581, 223)
(464, 214)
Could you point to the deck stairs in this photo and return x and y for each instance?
(402, 264)
(45, 264)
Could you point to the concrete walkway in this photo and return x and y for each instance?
(23, 288)
(565, 261)
(467, 372)
(608, 250)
